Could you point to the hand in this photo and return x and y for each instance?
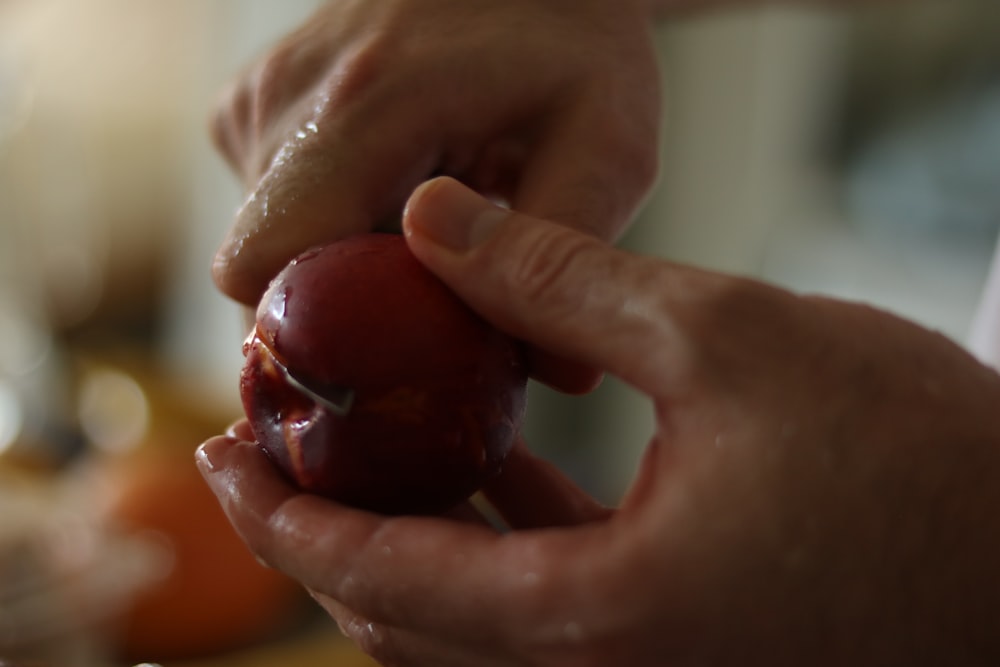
(821, 488)
(552, 105)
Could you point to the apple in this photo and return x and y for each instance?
(369, 382)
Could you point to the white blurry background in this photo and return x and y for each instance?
(852, 153)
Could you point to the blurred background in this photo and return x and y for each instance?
(853, 153)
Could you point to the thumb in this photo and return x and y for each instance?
(559, 289)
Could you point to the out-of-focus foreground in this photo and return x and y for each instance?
(854, 154)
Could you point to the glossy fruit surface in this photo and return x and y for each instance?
(432, 394)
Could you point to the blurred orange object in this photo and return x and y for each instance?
(213, 594)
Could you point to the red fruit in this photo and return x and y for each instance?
(436, 393)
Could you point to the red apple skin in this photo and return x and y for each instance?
(439, 393)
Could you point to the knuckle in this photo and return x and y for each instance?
(544, 269)
(228, 119)
(270, 81)
(357, 70)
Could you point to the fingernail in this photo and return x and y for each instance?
(451, 215)
(210, 455)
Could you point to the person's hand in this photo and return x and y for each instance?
(551, 105)
(821, 488)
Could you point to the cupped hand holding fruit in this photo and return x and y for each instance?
(820, 488)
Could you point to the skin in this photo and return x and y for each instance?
(367, 100)
(820, 487)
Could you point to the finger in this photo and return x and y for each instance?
(559, 289)
(394, 646)
(532, 493)
(248, 111)
(564, 375)
(241, 431)
(591, 172)
(454, 580)
(593, 169)
(330, 179)
(529, 493)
